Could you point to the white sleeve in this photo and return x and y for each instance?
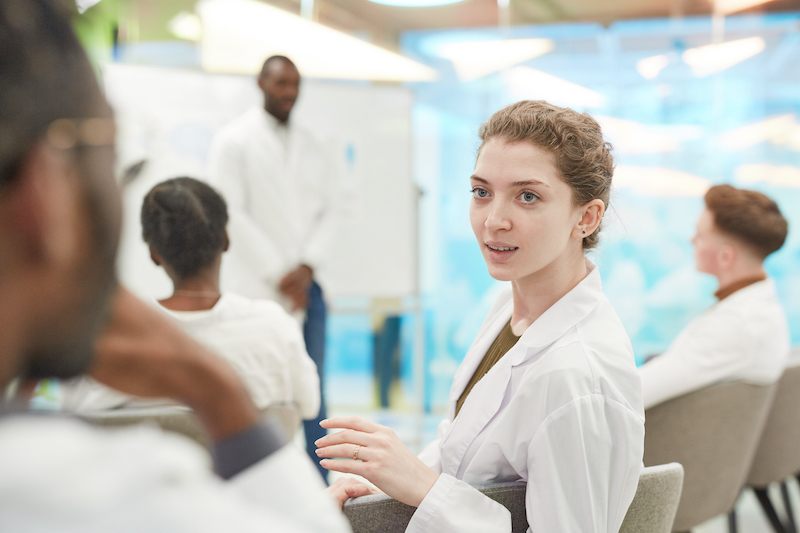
(249, 244)
(583, 467)
(453, 506)
(583, 470)
(709, 351)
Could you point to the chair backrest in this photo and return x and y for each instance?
(172, 418)
(287, 415)
(713, 433)
(652, 510)
(656, 502)
(778, 454)
(380, 513)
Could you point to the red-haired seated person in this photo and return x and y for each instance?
(745, 335)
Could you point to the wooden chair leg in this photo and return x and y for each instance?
(732, 521)
(792, 526)
(769, 510)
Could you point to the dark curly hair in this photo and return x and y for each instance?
(748, 216)
(184, 220)
(582, 156)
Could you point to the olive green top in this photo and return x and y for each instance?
(502, 344)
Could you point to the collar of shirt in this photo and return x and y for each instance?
(729, 289)
(280, 129)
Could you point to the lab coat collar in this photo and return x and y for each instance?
(565, 314)
(557, 320)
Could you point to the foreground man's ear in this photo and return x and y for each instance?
(40, 206)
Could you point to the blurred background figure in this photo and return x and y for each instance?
(184, 224)
(744, 336)
(277, 180)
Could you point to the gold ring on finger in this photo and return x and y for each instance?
(355, 455)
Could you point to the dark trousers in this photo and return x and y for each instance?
(314, 335)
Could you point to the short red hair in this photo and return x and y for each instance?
(748, 216)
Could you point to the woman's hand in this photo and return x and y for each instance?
(348, 487)
(380, 457)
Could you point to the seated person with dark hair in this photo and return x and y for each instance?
(184, 221)
(62, 314)
(745, 335)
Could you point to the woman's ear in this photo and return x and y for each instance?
(155, 257)
(590, 216)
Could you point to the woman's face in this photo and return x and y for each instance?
(522, 212)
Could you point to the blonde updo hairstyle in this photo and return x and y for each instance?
(583, 158)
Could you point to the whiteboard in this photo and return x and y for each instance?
(169, 117)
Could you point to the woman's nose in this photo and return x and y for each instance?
(498, 218)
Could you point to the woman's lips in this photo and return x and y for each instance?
(500, 251)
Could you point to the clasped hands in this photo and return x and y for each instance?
(382, 459)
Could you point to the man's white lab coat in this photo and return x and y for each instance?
(561, 410)
(744, 337)
(281, 199)
(62, 475)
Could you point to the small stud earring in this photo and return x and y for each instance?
(584, 233)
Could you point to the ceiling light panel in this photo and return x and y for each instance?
(475, 59)
(528, 83)
(238, 35)
(712, 58)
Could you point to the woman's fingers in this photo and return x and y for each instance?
(354, 491)
(347, 467)
(350, 422)
(350, 451)
(344, 437)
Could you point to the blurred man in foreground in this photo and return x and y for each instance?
(744, 336)
(62, 314)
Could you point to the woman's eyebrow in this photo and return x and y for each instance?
(477, 178)
(528, 182)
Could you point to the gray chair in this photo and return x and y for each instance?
(177, 419)
(656, 502)
(778, 454)
(652, 510)
(713, 433)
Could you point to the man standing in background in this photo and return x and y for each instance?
(280, 189)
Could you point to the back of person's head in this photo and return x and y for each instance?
(582, 157)
(44, 76)
(184, 221)
(750, 217)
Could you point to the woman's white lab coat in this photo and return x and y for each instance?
(561, 410)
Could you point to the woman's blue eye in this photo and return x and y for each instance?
(528, 197)
(477, 192)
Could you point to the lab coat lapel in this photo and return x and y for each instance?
(486, 336)
(470, 422)
(487, 395)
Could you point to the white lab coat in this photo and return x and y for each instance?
(262, 343)
(561, 410)
(281, 198)
(744, 337)
(62, 475)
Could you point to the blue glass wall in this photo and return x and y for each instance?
(674, 135)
